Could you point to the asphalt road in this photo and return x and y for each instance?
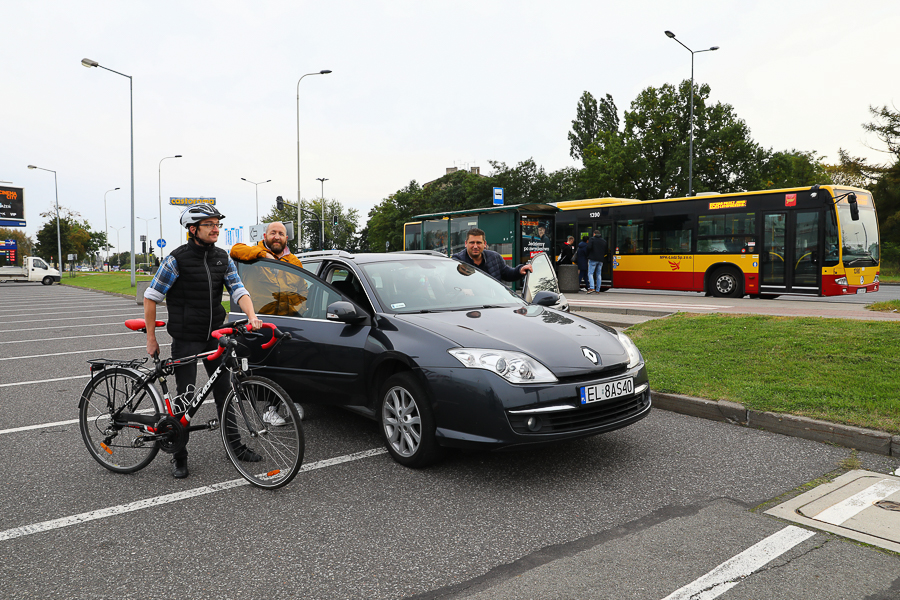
(637, 513)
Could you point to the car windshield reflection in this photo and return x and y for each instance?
(541, 279)
(435, 285)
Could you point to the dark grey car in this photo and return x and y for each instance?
(442, 355)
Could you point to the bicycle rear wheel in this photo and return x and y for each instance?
(119, 448)
(280, 447)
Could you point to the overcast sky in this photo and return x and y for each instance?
(416, 87)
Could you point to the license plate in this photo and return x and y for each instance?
(607, 391)
(861, 291)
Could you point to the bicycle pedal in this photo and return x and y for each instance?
(212, 424)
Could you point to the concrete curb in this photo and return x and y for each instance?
(866, 440)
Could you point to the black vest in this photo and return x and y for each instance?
(195, 300)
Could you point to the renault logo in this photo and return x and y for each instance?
(590, 355)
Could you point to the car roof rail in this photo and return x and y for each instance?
(340, 253)
(426, 252)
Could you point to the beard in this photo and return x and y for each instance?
(275, 247)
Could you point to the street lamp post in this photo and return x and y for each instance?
(322, 72)
(87, 62)
(160, 201)
(147, 222)
(106, 226)
(58, 236)
(119, 261)
(691, 145)
(323, 180)
(257, 194)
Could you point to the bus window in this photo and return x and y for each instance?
(670, 235)
(832, 256)
(727, 233)
(436, 235)
(630, 237)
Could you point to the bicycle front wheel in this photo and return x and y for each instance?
(118, 447)
(267, 452)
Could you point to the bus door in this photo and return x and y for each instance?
(790, 260)
(587, 229)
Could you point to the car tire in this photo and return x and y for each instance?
(726, 284)
(407, 422)
(47, 280)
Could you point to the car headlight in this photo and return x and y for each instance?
(634, 355)
(514, 367)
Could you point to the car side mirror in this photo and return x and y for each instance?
(545, 298)
(343, 312)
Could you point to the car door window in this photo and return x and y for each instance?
(281, 289)
(346, 282)
(542, 278)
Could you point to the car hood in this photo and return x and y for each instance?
(555, 338)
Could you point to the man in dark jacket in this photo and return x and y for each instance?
(191, 279)
(582, 261)
(568, 251)
(475, 253)
(596, 254)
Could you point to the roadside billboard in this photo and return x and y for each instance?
(12, 206)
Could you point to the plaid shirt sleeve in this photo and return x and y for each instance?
(233, 282)
(163, 280)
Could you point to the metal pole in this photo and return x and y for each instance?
(323, 180)
(691, 143)
(58, 235)
(322, 72)
(161, 254)
(131, 110)
(106, 227)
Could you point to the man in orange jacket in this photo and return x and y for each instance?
(286, 290)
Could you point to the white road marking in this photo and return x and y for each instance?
(71, 337)
(69, 422)
(3, 385)
(729, 573)
(132, 312)
(79, 326)
(167, 499)
(836, 514)
(673, 305)
(79, 352)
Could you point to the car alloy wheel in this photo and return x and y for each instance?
(406, 422)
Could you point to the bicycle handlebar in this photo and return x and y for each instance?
(238, 327)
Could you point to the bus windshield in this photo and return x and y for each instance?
(859, 238)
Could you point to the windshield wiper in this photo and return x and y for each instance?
(868, 257)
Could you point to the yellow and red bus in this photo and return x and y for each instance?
(820, 241)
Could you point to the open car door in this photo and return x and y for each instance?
(543, 279)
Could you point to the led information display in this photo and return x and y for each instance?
(12, 206)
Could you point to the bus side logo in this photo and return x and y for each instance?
(790, 199)
(675, 264)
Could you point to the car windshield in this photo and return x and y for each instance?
(860, 238)
(431, 285)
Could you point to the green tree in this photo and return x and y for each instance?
(75, 236)
(648, 157)
(342, 237)
(793, 169)
(591, 117)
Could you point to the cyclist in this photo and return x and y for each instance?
(191, 279)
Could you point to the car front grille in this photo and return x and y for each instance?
(580, 418)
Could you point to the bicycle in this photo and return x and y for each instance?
(125, 422)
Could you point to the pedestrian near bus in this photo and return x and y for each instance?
(582, 261)
(596, 254)
(568, 251)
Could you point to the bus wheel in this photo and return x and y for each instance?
(725, 284)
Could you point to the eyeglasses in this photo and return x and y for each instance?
(211, 225)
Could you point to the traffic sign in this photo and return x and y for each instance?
(161, 243)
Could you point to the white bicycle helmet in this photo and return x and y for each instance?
(193, 214)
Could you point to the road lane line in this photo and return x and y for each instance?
(847, 508)
(69, 422)
(729, 573)
(68, 318)
(80, 326)
(75, 337)
(168, 498)
(3, 385)
(79, 352)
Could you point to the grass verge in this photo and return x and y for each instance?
(117, 283)
(888, 306)
(844, 371)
